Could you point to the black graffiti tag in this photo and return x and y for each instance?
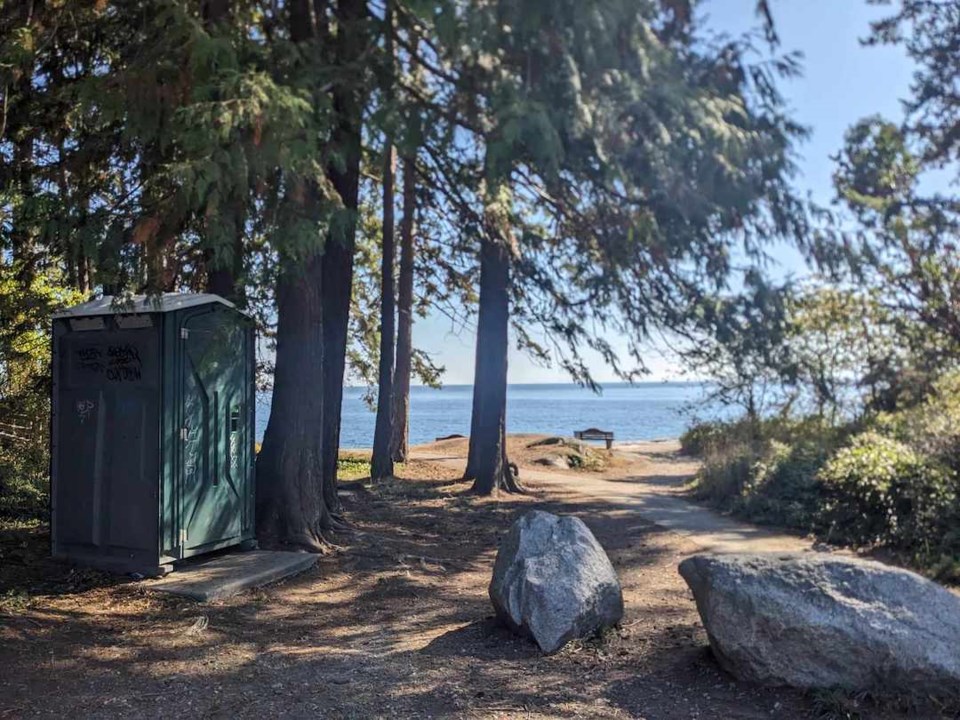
(124, 363)
(91, 359)
(121, 363)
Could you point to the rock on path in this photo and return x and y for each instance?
(813, 621)
(553, 581)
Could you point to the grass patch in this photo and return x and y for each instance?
(14, 601)
(352, 467)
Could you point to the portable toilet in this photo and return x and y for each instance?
(152, 433)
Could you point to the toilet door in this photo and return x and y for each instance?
(212, 430)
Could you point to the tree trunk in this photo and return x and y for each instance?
(337, 279)
(339, 251)
(381, 463)
(224, 274)
(291, 509)
(400, 445)
(21, 132)
(488, 451)
(293, 490)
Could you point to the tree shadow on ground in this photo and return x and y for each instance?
(670, 481)
(27, 568)
(398, 624)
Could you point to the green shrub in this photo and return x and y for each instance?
(699, 437)
(890, 480)
(932, 427)
(784, 489)
(765, 471)
(352, 468)
(726, 471)
(25, 463)
(25, 387)
(880, 491)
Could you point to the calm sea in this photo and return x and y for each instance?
(643, 411)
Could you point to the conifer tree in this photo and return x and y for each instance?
(615, 177)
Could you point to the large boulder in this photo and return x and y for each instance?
(553, 581)
(814, 621)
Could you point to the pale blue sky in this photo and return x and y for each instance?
(842, 82)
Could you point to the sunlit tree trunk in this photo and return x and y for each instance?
(488, 451)
(404, 363)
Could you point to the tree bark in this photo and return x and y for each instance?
(488, 450)
(293, 506)
(341, 243)
(224, 274)
(381, 463)
(291, 509)
(470, 473)
(400, 444)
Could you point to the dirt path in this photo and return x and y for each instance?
(651, 485)
(397, 624)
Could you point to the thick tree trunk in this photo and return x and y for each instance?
(400, 444)
(488, 451)
(224, 274)
(291, 509)
(293, 489)
(339, 251)
(381, 463)
(337, 279)
(214, 11)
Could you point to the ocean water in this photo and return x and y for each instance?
(643, 411)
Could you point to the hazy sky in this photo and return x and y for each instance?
(842, 82)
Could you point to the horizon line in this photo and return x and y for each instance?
(574, 384)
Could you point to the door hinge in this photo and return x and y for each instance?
(183, 536)
(184, 333)
(184, 433)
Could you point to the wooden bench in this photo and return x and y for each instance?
(594, 434)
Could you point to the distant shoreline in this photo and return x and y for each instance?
(567, 385)
(618, 444)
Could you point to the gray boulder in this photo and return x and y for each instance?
(814, 621)
(553, 581)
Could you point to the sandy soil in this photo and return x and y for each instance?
(527, 451)
(396, 624)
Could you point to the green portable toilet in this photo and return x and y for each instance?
(152, 434)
